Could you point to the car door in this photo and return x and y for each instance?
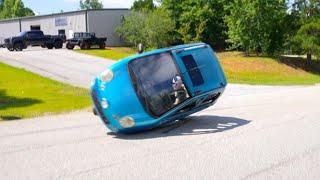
(39, 38)
(201, 69)
(33, 38)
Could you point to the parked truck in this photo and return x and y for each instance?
(34, 38)
(85, 41)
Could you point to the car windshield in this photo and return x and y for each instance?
(81, 35)
(158, 83)
(22, 33)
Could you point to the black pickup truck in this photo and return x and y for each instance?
(33, 38)
(85, 41)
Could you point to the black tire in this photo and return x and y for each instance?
(49, 46)
(58, 44)
(102, 46)
(10, 49)
(69, 46)
(95, 111)
(18, 47)
(84, 45)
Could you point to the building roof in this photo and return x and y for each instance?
(62, 13)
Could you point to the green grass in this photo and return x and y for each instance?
(239, 68)
(263, 70)
(24, 95)
(109, 53)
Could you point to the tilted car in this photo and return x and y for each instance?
(157, 87)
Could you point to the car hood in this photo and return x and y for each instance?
(13, 38)
(120, 95)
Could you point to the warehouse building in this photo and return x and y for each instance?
(101, 22)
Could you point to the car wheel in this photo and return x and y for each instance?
(58, 45)
(49, 46)
(95, 111)
(102, 46)
(84, 45)
(18, 47)
(69, 46)
(10, 49)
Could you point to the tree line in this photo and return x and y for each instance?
(263, 27)
(13, 9)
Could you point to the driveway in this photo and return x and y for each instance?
(253, 132)
(62, 65)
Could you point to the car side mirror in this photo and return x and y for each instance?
(140, 48)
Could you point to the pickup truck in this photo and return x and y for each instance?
(85, 41)
(33, 38)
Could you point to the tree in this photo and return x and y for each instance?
(158, 27)
(307, 8)
(198, 20)
(309, 38)
(14, 8)
(1, 5)
(256, 26)
(143, 5)
(28, 12)
(132, 28)
(91, 4)
(303, 14)
(152, 29)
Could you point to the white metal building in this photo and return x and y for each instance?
(102, 22)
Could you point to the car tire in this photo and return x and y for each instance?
(10, 49)
(18, 47)
(84, 45)
(102, 46)
(69, 46)
(49, 46)
(94, 111)
(58, 44)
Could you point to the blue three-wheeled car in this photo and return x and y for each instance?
(157, 87)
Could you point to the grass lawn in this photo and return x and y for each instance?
(263, 70)
(109, 53)
(24, 95)
(238, 68)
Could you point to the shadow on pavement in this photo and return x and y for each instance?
(193, 125)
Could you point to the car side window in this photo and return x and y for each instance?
(33, 34)
(30, 35)
(193, 70)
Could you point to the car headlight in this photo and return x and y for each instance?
(106, 76)
(104, 103)
(127, 122)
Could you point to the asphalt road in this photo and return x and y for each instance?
(62, 65)
(253, 132)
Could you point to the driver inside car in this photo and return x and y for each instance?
(180, 91)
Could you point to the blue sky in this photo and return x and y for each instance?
(54, 6)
